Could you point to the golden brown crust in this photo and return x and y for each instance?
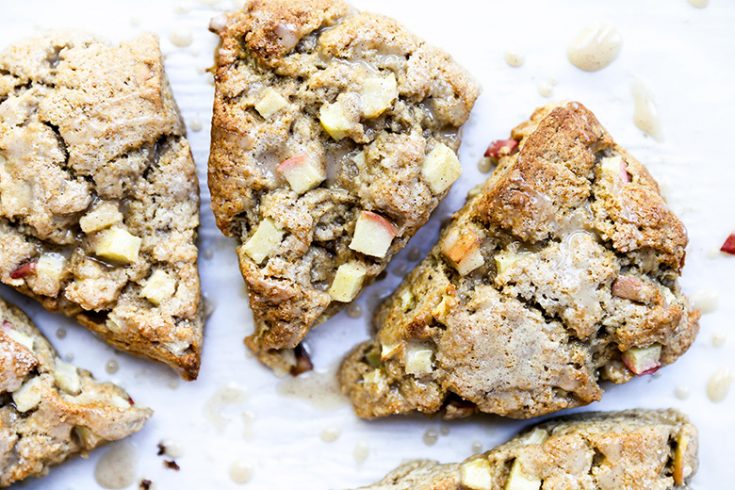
(561, 292)
(315, 54)
(52, 410)
(91, 141)
(635, 449)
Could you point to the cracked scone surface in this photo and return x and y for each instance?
(560, 272)
(323, 117)
(51, 410)
(635, 450)
(99, 199)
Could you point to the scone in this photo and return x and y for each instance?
(560, 272)
(99, 200)
(51, 410)
(634, 450)
(334, 136)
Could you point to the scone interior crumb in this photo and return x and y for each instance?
(98, 192)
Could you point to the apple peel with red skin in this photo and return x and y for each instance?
(501, 148)
(729, 246)
(642, 361)
(24, 270)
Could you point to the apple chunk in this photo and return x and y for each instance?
(270, 103)
(264, 241)
(462, 249)
(441, 168)
(29, 395)
(476, 474)
(67, 377)
(103, 216)
(118, 245)
(373, 235)
(377, 95)
(681, 469)
(644, 360)
(347, 281)
(419, 359)
(159, 287)
(302, 173)
(519, 480)
(19, 337)
(501, 148)
(616, 167)
(729, 246)
(335, 120)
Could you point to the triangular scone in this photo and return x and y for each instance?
(559, 272)
(99, 199)
(635, 450)
(334, 137)
(49, 409)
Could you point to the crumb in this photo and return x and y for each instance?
(145, 484)
(171, 464)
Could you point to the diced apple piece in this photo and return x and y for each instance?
(419, 359)
(407, 299)
(729, 246)
(67, 377)
(645, 360)
(24, 270)
(476, 474)
(50, 267)
(88, 438)
(302, 173)
(470, 263)
(19, 337)
(501, 148)
(519, 480)
(101, 217)
(376, 379)
(373, 234)
(441, 311)
(681, 469)
(120, 402)
(29, 395)
(616, 167)
(536, 436)
(159, 287)
(378, 94)
(270, 102)
(118, 245)
(264, 241)
(441, 168)
(462, 248)
(504, 261)
(347, 281)
(335, 121)
(389, 350)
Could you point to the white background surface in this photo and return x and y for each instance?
(682, 54)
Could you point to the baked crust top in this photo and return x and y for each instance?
(560, 272)
(356, 102)
(51, 410)
(99, 201)
(634, 449)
